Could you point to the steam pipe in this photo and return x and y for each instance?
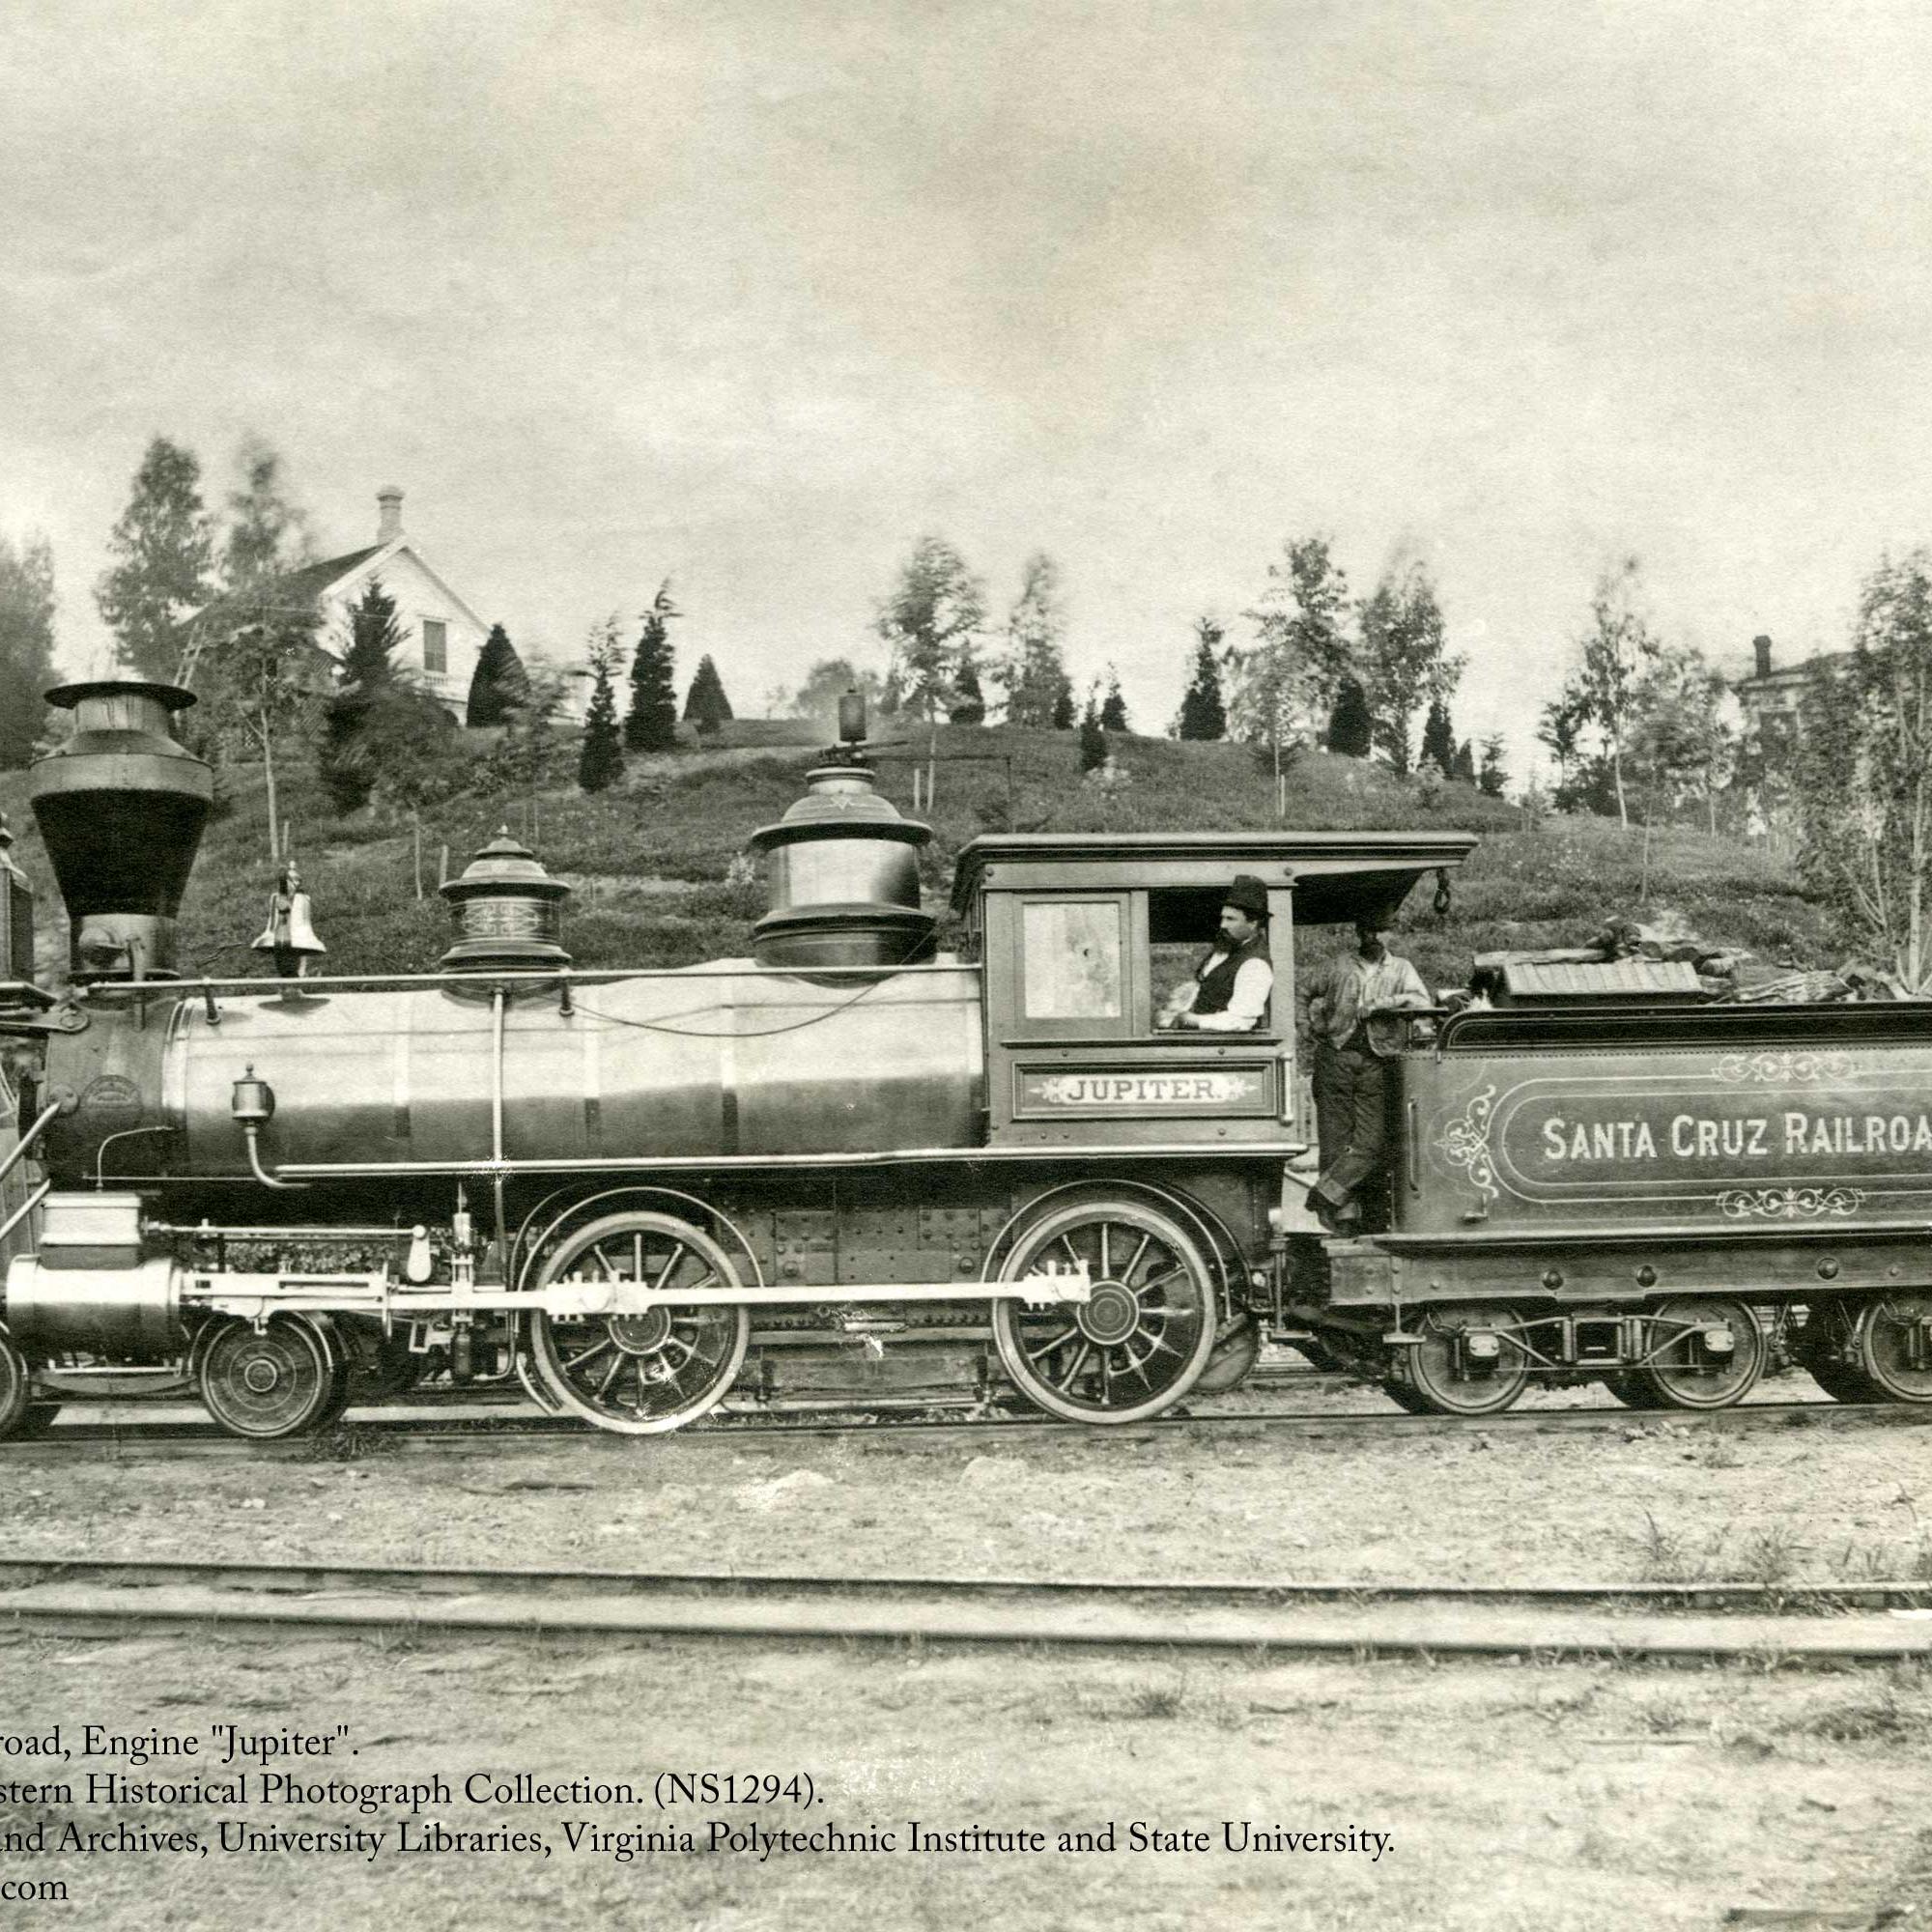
(251, 1133)
(25, 1208)
(27, 1140)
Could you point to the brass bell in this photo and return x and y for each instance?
(290, 933)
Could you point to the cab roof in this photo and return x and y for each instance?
(1337, 876)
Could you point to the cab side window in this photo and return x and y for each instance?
(1074, 954)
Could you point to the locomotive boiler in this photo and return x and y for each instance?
(853, 1168)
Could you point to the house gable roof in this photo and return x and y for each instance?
(317, 580)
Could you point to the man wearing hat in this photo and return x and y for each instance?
(1229, 992)
(1351, 1075)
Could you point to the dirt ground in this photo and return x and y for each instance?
(1530, 1795)
(1652, 1500)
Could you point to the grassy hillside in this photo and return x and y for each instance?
(660, 881)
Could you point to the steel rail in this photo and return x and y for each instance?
(378, 1436)
(1732, 1595)
(99, 1599)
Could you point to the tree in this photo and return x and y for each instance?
(1404, 656)
(600, 760)
(26, 645)
(931, 614)
(1062, 709)
(1113, 711)
(1491, 777)
(1204, 716)
(529, 747)
(969, 701)
(1033, 672)
(1301, 623)
(705, 706)
(825, 684)
(1864, 776)
(1462, 766)
(651, 723)
(1351, 728)
(1616, 650)
(1439, 739)
(267, 534)
(367, 678)
(163, 547)
(499, 681)
(1092, 737)
(1679, 742)
(1559, 730)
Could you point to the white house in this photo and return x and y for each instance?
(442, 636)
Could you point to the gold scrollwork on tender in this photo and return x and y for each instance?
(1784, 1068)
(1465, 1143)
(1788, 1203)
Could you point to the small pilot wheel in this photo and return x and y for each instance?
(282, 1381)
(1703, 1351)
(15, 1387)
(1142, 1341)
(655, 1368)
(1469, 1362)
(1891, 1347)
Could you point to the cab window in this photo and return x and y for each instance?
(1075, 958)
(1183, 924)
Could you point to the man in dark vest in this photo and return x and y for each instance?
(1229, 992)
(1351, 1074)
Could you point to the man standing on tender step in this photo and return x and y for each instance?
(1351, 1078)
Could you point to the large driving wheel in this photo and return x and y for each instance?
(1469, 1362)
(1891, 1349)
(654, 1370)
(282, 1381)
(15, 1390)
(1140, 1344)
(1704, 1351)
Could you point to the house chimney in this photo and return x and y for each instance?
(389, 522)
(1761, 644)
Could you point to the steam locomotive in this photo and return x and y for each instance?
(853, 1168)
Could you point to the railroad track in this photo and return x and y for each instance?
(1825, 1625)
(447, 1433)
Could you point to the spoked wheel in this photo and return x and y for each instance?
(1469, 1362)
(17, 1385)
(1891, 1349)
(1705, 1352)
(653, 1370)
(283, 1381)
(1143, 1340)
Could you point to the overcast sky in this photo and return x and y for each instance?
(750, 292)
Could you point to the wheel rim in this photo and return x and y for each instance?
(1883, 1344)
(1681, 1370)
(264, 1386)
(655, 1368)
(1139, 1344)
(1448, 1374)
(16, 1386)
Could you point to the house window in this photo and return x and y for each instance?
(436, 644)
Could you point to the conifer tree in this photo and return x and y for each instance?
(705, 706)
(1351, 728)
(163, 547)
(1092, 737)
(1491, 777)
(1113, 711)
(1464, 769)
(1031, 672)
(366, 680)
(1063, 708)
(651, 723)
(499, 682)
(969, 701)
(1439, 739)
(1203, 714)
(600, 759)
(268, 534)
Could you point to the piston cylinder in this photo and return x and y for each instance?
(123, 1313)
